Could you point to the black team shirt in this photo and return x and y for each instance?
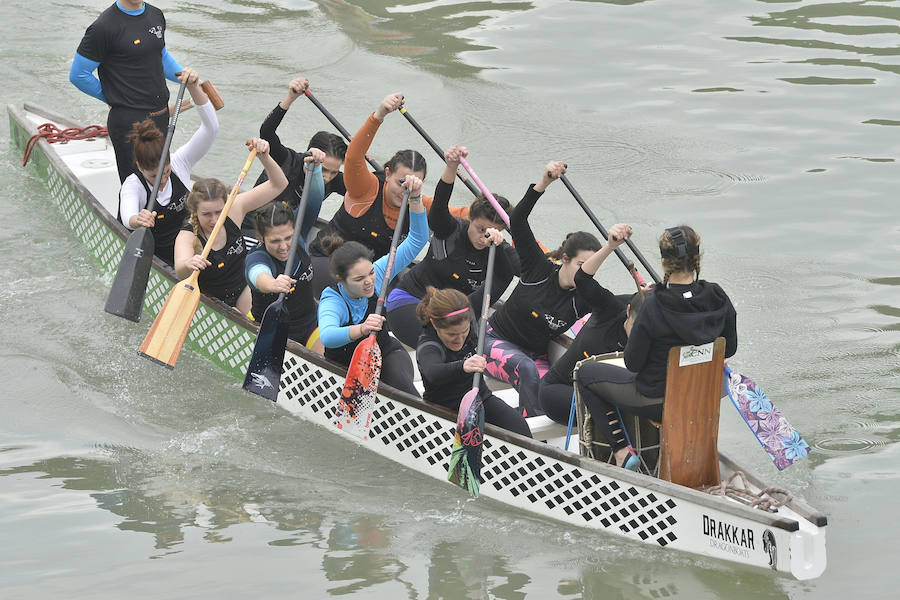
(539, 309)
(129, 50)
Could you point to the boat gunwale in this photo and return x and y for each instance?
(695, 497)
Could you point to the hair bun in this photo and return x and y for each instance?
(147, 131)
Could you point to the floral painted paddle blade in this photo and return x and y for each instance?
(778, 437)
(354, 410)
(465, 461)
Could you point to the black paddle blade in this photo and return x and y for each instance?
(126, 297)
(264, 370)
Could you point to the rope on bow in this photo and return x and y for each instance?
(54, 134)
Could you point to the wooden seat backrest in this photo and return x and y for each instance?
(690, 425)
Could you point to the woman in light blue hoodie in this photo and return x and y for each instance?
(347, 308)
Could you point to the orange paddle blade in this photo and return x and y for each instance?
(166, 336)
(354, 410)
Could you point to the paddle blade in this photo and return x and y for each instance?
(126, 297)
(778, 437)
(264, 370)
(354, 411)
(166, 336)
(465, 462)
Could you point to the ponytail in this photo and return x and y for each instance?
(444, 308)
(574, 243)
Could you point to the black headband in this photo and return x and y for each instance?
(681, 248)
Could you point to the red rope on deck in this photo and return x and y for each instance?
(54, 134)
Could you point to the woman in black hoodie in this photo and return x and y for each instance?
(684, 310)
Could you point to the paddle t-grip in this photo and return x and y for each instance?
(212, 92)
(550, 175)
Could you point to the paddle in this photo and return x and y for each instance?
(166, 336)
(465, 461)
(266, 364)
(487, 193)
(126, 296)
(587, 210)
(339, 127)
(778, 438)
(354, 410)
(435, 147)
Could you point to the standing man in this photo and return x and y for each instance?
(127, 46)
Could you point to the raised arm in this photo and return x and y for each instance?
(184, 159)
(279, 152)
(409, 248)
(362, 184)
(530, 253)
(264, 192)
(440, 220)
(618, 233)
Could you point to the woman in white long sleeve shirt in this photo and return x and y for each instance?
(168, 213)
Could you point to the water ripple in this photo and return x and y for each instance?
(697, 181)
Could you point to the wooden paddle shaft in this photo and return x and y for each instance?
(228, 204)
(212, 92)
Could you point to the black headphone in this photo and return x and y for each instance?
(676, 234)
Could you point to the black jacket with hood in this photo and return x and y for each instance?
(678, 315)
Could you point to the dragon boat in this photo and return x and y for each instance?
(534, 475)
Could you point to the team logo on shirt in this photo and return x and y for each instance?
(178, 205)
(556, 324)
(306, 275)
(156, 30)
(236, 248)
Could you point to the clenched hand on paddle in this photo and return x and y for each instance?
(465, 461)
(354, 410)
(266, 364)
(126, 296)
(166, 337)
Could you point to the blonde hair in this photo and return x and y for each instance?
(204, 190)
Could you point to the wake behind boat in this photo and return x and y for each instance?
(540, 478)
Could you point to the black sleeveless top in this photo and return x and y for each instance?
(224, 278)
(454, 263)
(370, 229)
(344, 354)
(300, 303)
(169, 219)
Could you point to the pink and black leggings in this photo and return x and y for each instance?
(518, 367)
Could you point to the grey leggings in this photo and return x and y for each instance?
(604, 388)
